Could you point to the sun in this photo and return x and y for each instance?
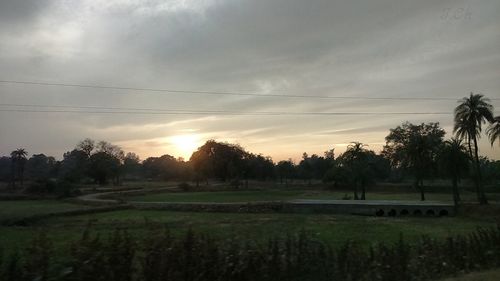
(185, 144)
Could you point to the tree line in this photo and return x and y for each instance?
(416, 151)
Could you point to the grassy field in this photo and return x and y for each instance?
(334, 229)
(25, 208)
(284, 195)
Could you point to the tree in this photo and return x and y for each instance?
(18, 158)
(219, 160)
(462, 132)
(314, 166)
(454, 161)
(358, 164)
(471, 113)
(494, 130)
(285, 169)
(111, 149)
(104, 166)
(490, 170)
(165, 167)
(87, 145)
(74, 166)
(5, 168)
(414, 148)
(40, 167)
(131, 165)
(260, 167)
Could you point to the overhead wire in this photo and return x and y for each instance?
(142, 90)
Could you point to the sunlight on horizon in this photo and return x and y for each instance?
(185, 145)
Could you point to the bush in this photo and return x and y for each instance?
(185, 186)
(41, 186)
(294, 257)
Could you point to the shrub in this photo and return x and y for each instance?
(185, 186)
(294, 257)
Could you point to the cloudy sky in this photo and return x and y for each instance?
(355, 49)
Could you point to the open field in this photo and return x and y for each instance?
(64, 232)
(333, 229)
(285, 195)
(16, 209)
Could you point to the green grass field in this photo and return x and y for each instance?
(334, 229)
(284, 195)
(25, 208)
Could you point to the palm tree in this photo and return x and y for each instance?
(462, 133)
(470, 115)
(454, 161)
(18, 158)
(494, 130)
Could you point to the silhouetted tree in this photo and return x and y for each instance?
(462, 132)
(470, 114)
(40, 167)
(305, 168)
(74, 166)
(260, 167)
(18, 158)
(165, 167)
(131, 165)
(286, 170)
(5, 168)
(104, 166)
(219, 160)
(490, 170)
(415, 148)
(454, 161)
(314, 166)
(111, 149)
(87, 146)
(357, 162)
(494, 130)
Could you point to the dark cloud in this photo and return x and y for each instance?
(21, 12)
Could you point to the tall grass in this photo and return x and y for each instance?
(158, 255)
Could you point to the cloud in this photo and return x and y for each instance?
(322, 47)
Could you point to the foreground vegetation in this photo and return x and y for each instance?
(158, 255)
(236, 239)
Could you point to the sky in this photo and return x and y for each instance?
(355, 49)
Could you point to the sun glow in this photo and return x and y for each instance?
(185, 145)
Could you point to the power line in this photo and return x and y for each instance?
(114, 108)
(134, 110)
(221, 113)
(192, 111)
(220, 93)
